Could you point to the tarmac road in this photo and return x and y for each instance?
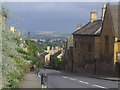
(58, 79)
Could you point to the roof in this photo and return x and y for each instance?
(92, 28)
(44, 54)
(57, 53)
(114, 15)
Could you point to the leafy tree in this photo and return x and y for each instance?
(57, 63)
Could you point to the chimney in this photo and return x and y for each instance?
(12, 29)
(48, 48)
(103, 11)
(79, 26)
(93, 16)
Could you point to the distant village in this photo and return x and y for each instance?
(45, 41)
(46, 58)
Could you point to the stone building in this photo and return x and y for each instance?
(68, 54)
(12, 29)
(52, 50)
(86, 45)
(58, 55)
(44, 58)
(23, 45)
(110, 41)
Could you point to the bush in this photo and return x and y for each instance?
(22, 51)
(12, 57)
(57, 63)
(13, 80)
(26, 57)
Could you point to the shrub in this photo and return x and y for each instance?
(12, 57)
(57, 63)
(22, 51)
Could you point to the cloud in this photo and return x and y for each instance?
(51, 16)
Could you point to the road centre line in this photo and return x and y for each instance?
(83, 82)
(98, 86)
(72, 79)
(64, 77)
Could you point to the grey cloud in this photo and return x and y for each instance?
(51, 16)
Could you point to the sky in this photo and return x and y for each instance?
(50, 16)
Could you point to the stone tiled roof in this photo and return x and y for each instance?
(114, 15)
(44, 54)
(92, 28)
(57, 53)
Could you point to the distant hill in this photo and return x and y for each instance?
(47, 35)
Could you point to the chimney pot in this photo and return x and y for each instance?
(93, 15)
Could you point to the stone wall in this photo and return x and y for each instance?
(86, 53)
(69, 59)
(107, 45)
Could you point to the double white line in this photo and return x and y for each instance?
(84, 82)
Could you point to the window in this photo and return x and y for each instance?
(118, 56)
(106, 44)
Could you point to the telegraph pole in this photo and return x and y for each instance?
(29, 35)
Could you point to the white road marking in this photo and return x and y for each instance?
(99, 86)
(65, 77)
(83, 82)
(72, 79)
(58, 71)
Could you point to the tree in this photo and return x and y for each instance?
(57, 63)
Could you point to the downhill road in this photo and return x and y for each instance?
(58, 79)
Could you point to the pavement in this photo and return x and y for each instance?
(31, 81)
(57, 79)
(108, 78)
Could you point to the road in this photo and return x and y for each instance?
(58, 79)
